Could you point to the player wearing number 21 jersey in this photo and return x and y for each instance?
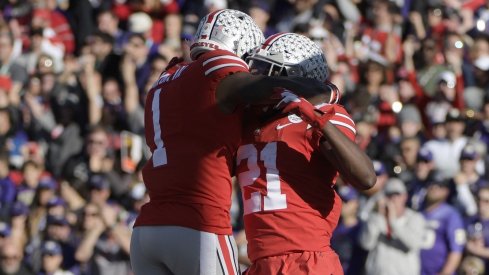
(290, 206)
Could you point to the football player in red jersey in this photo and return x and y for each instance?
(193, 129)
(287, 166)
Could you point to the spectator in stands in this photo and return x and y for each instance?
(98, 157)
(101, 228)
(49, 17)
(10, 67)
(108, 22)
(11, 259)
(101, 46)
(407, 161)
(468, 181)
(138, 51)
(393, 234)
(345, 236)
(424, 170)
(368, 199)
(31, 172)
(445, 233)
(446, 152)
(52, 257)
(7, 187)
(478, 228)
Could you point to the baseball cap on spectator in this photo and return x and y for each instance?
(47, 182)
(51, 248)
(394, 186)
(379, 168)
(437, 178)
(56, 201)
(469, 152)
(454, 115)
(19, 209)
(57, 220)
(4, 229)
(5, 83)
(98, 181)
(424, 155)
(139, 22)
(347, 193)
(482, 63)
(448, 77)
(409, 113)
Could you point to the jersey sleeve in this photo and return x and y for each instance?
(218, 64)
(456, 233)
(343, 121)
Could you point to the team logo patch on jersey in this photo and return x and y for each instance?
(294, 119)
(460, 236)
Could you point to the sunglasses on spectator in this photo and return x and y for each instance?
(10, 257)
(136, 44)
(94, 141)
(484, 200)
(91, 214)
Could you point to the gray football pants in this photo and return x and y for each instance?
(175, 250)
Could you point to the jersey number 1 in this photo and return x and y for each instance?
(274, 199)
(159, 154)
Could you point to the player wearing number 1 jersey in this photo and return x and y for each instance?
(193, 129)
(287, 168)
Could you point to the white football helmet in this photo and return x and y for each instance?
(229, 30)
(289, 54)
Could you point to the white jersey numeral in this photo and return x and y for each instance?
(429, 239)
(274, 199)
(159, 154)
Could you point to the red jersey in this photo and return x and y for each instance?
(193, 145)
(287, 186)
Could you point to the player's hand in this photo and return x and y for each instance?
(292, 103)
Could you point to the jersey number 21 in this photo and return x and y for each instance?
(274, 199)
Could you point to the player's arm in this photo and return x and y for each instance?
(342, 152)
(243, 88)
(352, 163)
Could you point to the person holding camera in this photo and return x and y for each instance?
(393, 234)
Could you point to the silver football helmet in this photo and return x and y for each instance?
(289, 54)
(229, 30)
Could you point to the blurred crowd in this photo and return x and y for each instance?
(414, 75)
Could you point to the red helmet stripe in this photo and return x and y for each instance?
(270, 40)
(210, 17)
